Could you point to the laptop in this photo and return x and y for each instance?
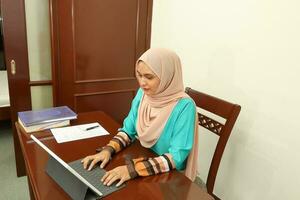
(77, 182)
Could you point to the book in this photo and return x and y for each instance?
(44, 126)
(30, 118)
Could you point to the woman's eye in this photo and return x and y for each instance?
(149, 77)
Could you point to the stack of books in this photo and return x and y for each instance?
(38, 120)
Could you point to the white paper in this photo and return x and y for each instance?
(71, 133)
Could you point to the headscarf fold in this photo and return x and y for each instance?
(155, 109)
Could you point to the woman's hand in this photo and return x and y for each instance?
(90, 161)
(119, 173)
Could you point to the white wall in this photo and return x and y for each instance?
(39, 51)
(4, 96)
(248, 52)
(38, 39)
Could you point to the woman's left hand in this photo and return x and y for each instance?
(119, 173)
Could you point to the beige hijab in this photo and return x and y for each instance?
(155, 110)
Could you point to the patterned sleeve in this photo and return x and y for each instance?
(149, 166)
(117, 143)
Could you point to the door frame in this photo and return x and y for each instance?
(15, 48)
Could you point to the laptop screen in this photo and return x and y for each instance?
(65, 165)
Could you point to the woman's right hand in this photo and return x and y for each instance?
(89, 161)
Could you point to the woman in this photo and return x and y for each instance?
(162, 117)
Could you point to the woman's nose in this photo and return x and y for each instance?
(142, 82)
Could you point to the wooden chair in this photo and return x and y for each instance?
(224, 109)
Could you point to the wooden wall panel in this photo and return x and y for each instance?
(102, 101)
(105, 48)
(95, 47)
(15, 48)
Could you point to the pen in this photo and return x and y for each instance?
(90, 128)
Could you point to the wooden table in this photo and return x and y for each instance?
(172, 185)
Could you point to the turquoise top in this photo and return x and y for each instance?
(178, 135)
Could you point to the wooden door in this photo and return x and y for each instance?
(15, 48)
(95, 46)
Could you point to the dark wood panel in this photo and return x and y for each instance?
(102, 101)
(15, 48)
(144, 27)
(106, 80)
(5, 113)
(63, 31)
(96, 44)
(54, 49)
(106, 86)
(106, 47)
(39, 83)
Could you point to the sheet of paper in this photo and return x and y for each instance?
(71, 133)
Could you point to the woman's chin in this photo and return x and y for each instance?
(147, 92)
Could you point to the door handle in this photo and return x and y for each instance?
(13, 69)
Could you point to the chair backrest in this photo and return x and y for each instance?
(224, 109)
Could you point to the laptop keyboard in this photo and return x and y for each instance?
(94, 176)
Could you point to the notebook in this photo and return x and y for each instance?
(45, 126)
(30, 118)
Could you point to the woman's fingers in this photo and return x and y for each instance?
(119, 173)
(105, 157)
(105, 176)
(113, 179)
(121, 181)
(94, 162)
(90, 161)
(104, 162)
(85, 162)
(108, 178)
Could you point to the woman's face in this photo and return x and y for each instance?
(147, 79)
